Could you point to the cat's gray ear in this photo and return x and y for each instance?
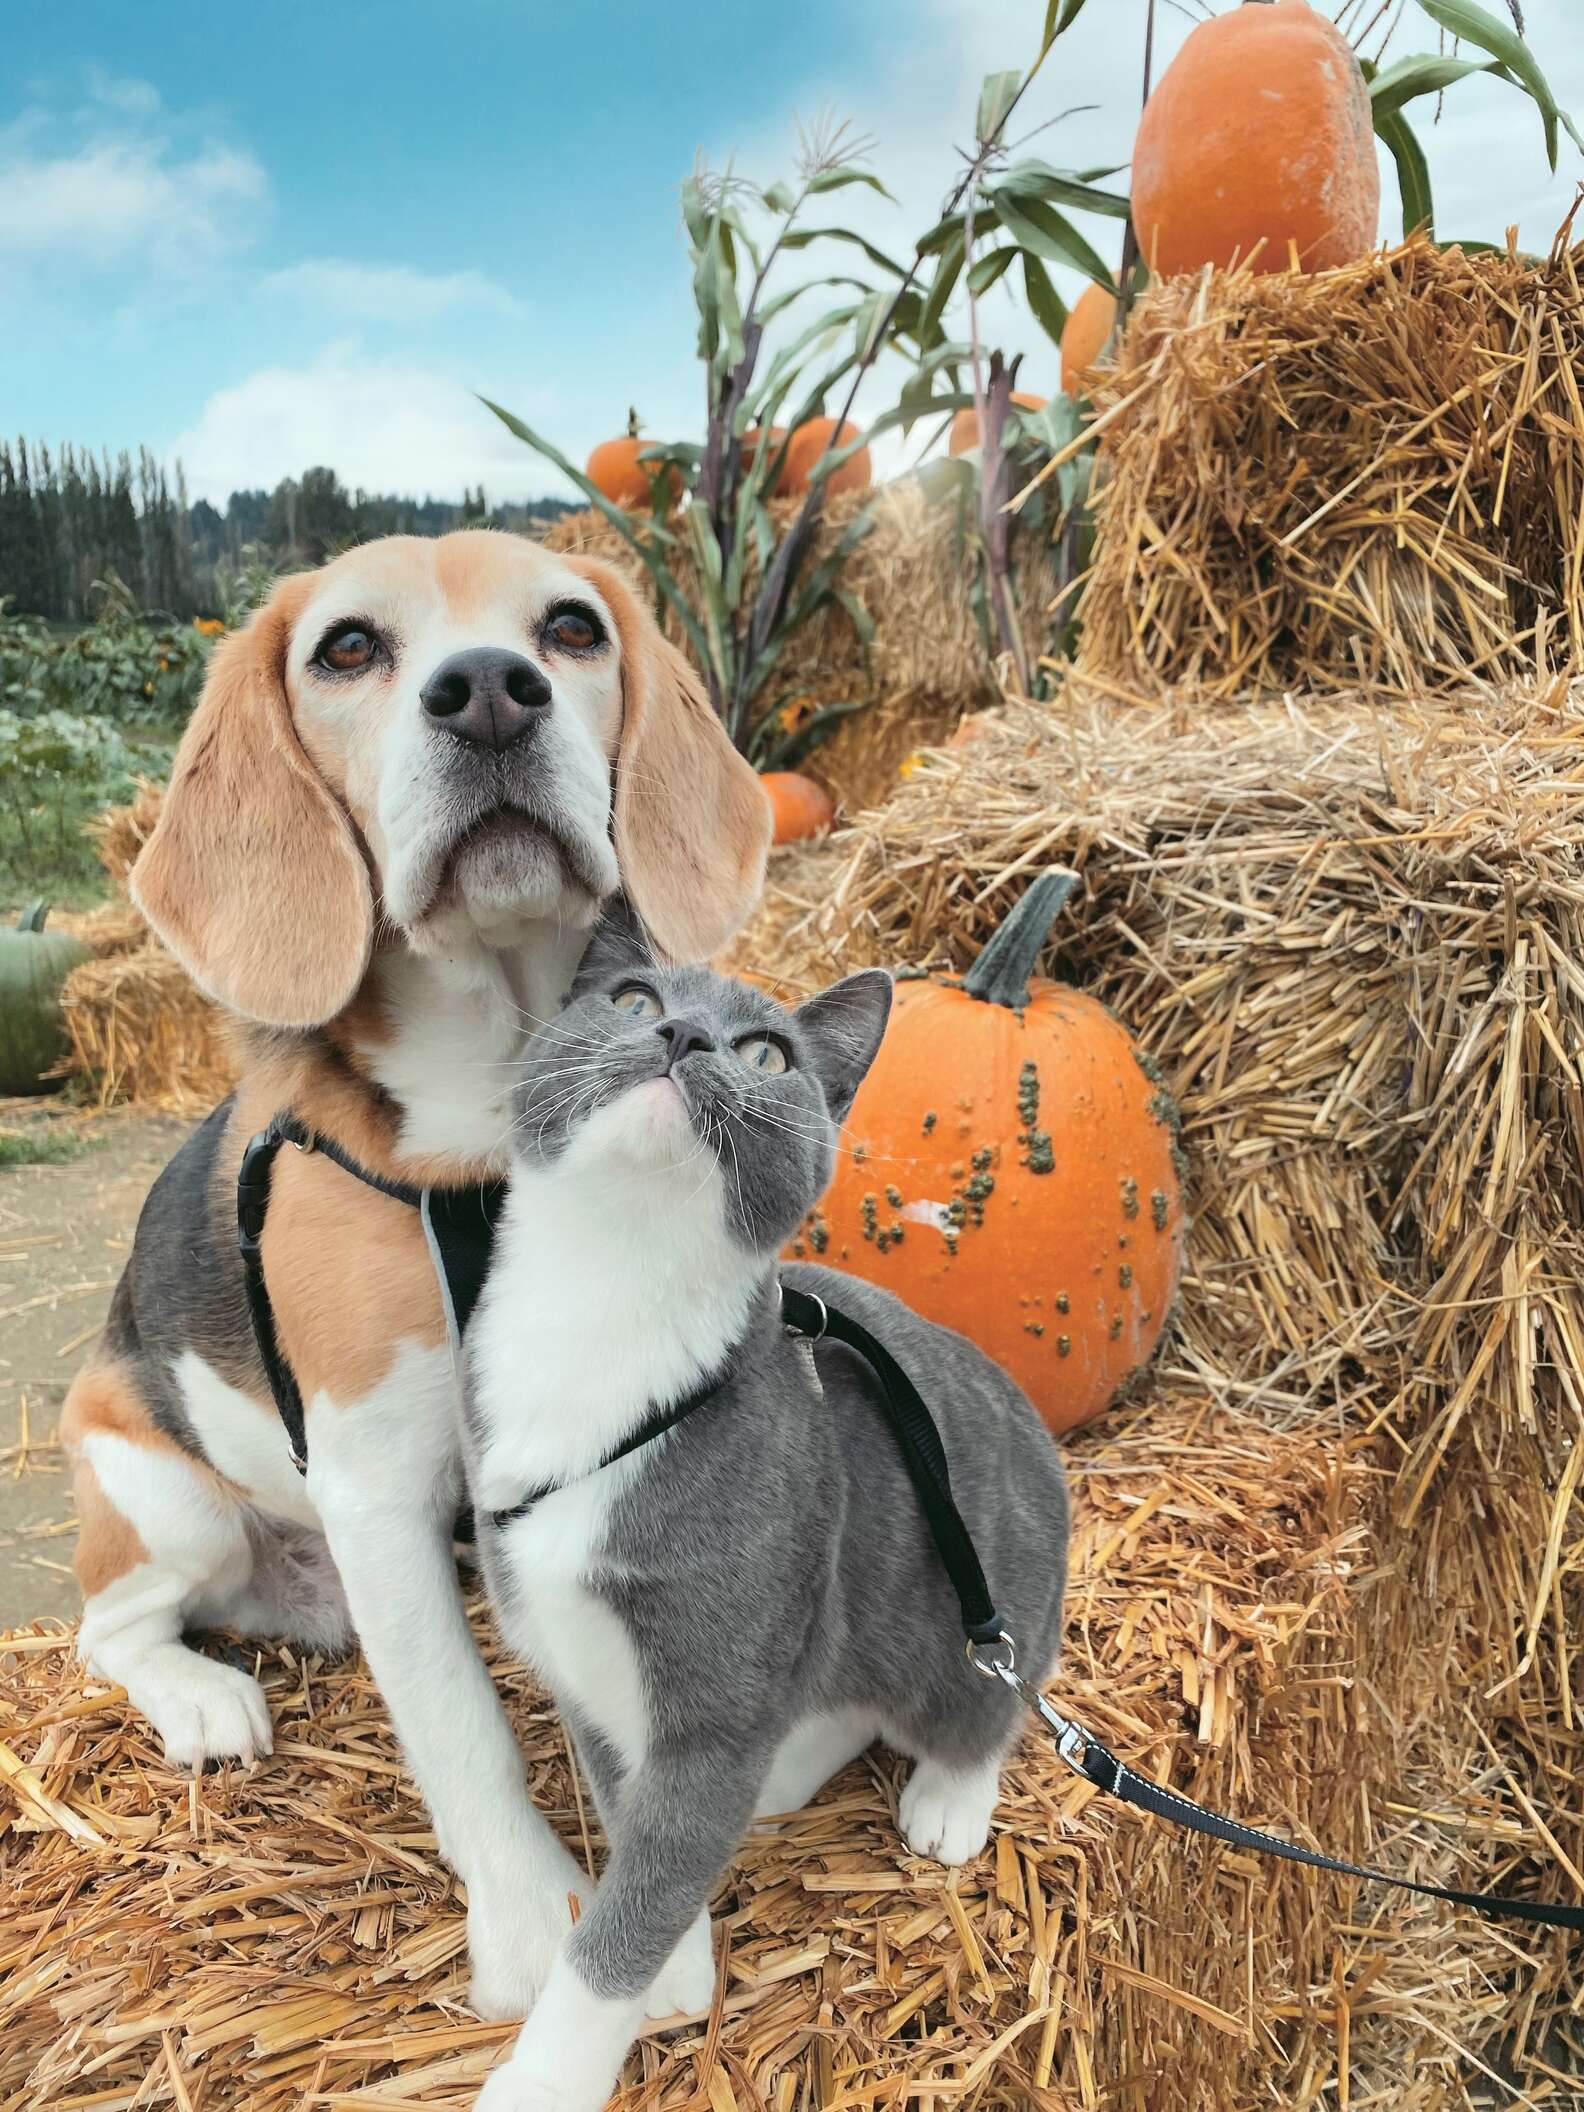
(619, 943)
(844, 1026)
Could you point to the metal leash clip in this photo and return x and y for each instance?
(1072, 1740)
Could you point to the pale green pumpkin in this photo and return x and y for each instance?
(34, 965)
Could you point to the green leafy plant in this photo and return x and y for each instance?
(768, 370)
(1502, 50)
(1021, 207)
(757, 582)
(126, 668)
(58, 770)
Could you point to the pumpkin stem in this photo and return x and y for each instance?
(32, 918)
(633, 426)
(1001, 974)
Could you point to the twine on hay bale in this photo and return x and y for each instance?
(1352, 936)
(1369, 475)
(927, 663)
(290, 1938)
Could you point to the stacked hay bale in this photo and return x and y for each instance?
(1351, 935)
(927, 663)
(137, 1027)
(1372, 475)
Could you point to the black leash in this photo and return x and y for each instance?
(460, 1224)
(992, 1651)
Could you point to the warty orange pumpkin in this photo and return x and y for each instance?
(1012, 1170)
(799, 806)
(1257, 142)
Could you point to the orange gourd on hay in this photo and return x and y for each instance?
(816, 438)
(1085, 333)
(615, 470)
(964, 434)
(800, 807)
(1012, 1171)
(1257, 141)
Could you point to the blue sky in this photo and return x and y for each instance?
(264, 237)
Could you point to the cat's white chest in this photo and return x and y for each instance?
(579, 1648)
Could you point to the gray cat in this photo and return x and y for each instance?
(730, 1612)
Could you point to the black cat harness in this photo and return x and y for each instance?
(459, 1224)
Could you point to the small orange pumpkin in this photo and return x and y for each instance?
(1086, 333)
(1012, 1171)
(800, 807)
(615, 470)
(964, 434)
(756, 437)
(1257, 141)
(816, 438)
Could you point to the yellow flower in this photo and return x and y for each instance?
(208, 626)
(148, 689)
(908, 767)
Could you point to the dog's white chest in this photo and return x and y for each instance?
(580, 1649)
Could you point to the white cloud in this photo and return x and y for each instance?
(132, 97)
(384, 425)
(121, 201)
(338, 290)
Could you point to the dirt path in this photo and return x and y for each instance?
(64, 1233)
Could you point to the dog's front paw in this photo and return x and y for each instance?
(514, 1933)
(685, 1984)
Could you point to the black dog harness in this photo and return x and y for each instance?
(460, 1223)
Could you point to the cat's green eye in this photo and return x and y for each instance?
(641, 1003)
(762, 1052)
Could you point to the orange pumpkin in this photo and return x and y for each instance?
(1086, 333)
(964, 434)
(755, 437)
(1257, 141)
(800, 806)
(615, 470)
(1013, 1172)
(816, 438)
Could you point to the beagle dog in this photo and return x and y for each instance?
(409, 784)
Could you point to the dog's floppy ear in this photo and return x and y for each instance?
(253, 877)
(692, 824)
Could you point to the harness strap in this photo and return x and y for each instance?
(253, 1194)
(923, 1454)
(653, 1425)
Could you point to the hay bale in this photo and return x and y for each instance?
(1370, 475)
(927, 664)
(141, 1032)
(291, 1936)
(121, 832)
(1351, 936)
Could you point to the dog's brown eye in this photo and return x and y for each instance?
(347, 650)
(574, 630)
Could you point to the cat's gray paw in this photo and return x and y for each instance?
(685, 1984)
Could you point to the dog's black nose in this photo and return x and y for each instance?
(681, 1038)
(488, 696)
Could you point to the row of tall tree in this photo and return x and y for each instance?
(71, 522)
